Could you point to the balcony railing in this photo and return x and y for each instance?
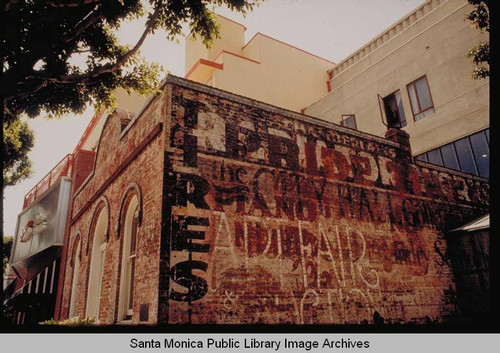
(63, 168)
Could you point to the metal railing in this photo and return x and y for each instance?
(63, 168)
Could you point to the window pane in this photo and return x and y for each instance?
(131, 284)
(422, 157)
(401, 112)
(424, 114)
(391, 113)
(435, 157)
(481, 153)
(449, 156)
(133, 235)
(349, 121)
(413, 98)
(424, 96)
(487, 132)
(465, 158)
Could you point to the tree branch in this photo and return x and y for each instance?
(71, 79)
(71, 4)
(91, 18)
(28, 61)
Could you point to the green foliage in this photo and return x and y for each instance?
(61, 56)
(74, 321)
(479, 18)
(17, 142)
(7, 247)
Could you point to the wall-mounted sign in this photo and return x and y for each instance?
(42, 225)
(34, 226)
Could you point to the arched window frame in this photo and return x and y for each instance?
(98, 255)
(129, 222)
(102, 203)
(132, 189)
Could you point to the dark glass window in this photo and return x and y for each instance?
(394, 112)
(422, 157)
(470, 154)
(435, 157)
(465, 157)
(481, 153)
(487, 133)
(349, 121)
(449, 156)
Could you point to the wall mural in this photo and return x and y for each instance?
(274, 220)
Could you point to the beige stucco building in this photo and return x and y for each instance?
(415, 76)
(264, 69)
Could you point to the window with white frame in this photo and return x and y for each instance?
(130, 226)
(97, 261)
(420, 98)
(74, 284)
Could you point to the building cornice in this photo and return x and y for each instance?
(387, 35)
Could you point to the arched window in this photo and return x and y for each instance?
(76, 275)
(97, 264)
(130, 225)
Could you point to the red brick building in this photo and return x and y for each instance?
(208, 207)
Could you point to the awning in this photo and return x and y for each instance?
(477, 224)
(44, 282)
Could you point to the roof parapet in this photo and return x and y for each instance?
(386, 35)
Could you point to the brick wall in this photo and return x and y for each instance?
(469, 257)
(255, 214)
(82, 165)
(274, 217)
(134, 155)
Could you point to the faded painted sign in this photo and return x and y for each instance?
(276, 220)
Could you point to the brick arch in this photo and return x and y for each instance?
(78, 238)
(132, 189)
(102, 203)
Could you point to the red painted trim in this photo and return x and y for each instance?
(212, 64)
(302, 110)
(85, 152)
(49, 179)
(138, 150)
(328, 86)
(206, 63)
(330, 74)
(291, 46)
(239, 56)
(194, 67)
(93, 122)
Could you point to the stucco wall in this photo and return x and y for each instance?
(432, 42)
(264, 69)
(283, 76)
